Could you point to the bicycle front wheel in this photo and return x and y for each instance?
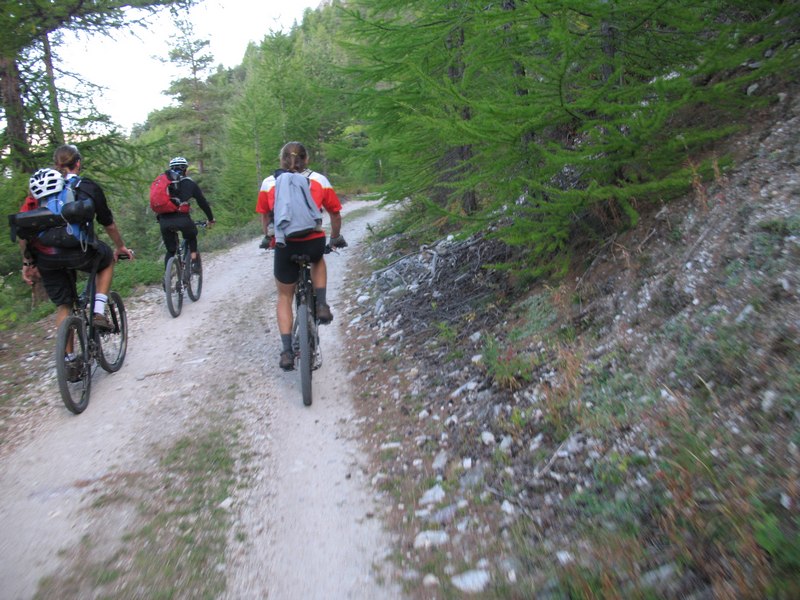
(173, 286)
(113, 344)
(74, 374)
(306, 356)
(194, 278)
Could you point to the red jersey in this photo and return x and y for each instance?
(322, 193)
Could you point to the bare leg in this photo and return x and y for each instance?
(319, 274)
(103, 280)
(62, 312)
(284, 307)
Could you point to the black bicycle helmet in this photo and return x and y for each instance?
(45, 182)
(179, 163)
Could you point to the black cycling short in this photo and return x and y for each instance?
(58, 270)
(286, 270)
(172, 222)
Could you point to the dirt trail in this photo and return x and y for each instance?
(307, 509)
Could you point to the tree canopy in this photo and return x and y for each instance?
(535, 121)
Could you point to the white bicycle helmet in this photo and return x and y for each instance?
(45, 182)
(178, 163)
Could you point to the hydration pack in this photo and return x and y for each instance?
(164, 194)
(60, 221)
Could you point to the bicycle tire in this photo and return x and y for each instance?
(194, 283)
(112, 345)
(306, 357)
(173, 286)
(313, 327)
(75, 388)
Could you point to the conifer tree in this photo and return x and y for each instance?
(579, 111)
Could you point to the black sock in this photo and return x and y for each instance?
(321, 294)
(286, 340)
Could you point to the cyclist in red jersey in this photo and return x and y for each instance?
(294, 158)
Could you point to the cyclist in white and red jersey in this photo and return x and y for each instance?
(294, 158)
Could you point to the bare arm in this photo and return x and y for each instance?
(336, 224)
(29, 272)
(119, 245)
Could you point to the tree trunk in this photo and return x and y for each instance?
(463, 153)
(609, 47)
(14, 109)
(57, 134)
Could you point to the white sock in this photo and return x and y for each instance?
(100, 303)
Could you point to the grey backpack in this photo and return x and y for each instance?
(295, 213)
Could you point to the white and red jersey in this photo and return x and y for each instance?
(322, 193)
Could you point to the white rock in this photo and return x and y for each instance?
(471, 582)
(768, 399)
(564, 557)
(428, 539)
(432, 496)
(430, 580)
(440, 462)
(487, 437)
(226, 504)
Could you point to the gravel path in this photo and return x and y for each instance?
(306, 508)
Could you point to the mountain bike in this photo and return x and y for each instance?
(305, 328)
(182, 273)
(79, 344)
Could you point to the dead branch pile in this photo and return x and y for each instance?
(444, 283)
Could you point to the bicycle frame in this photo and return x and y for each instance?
(305, 327)
(178, 278)
(81, 346)
(304, 295)
(182, 245)
(82, 304)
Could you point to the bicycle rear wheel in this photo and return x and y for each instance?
(194, 279)
(113, 344)
(306, 354)
(173, 286)
(74, 376)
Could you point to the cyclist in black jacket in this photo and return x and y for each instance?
(56, 265)
(181, 221)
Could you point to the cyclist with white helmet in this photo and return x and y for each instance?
(185, 190)
(56, 265)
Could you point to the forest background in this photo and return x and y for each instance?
(541, 122)
(589, 137)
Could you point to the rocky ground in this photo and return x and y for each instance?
(628, 431)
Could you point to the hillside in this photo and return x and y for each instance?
(628, 431)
